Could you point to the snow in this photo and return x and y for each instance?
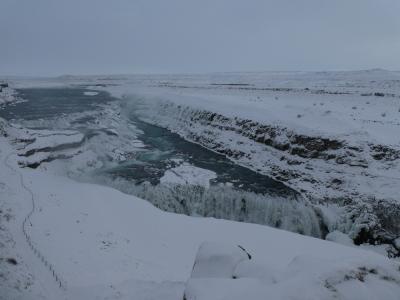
(302, 279)
(53, 140)
(358, 129)
(187, 174)
(331, 136)
(254, 269)
(109, 245)
(90, 93)
(340, 106)
(279, 98)
(340, 238)
(7, 96)
(216, 260)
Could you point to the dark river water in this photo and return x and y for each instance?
(163, 146)
(249, 197)
(45, 103)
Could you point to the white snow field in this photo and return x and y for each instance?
(332, 136)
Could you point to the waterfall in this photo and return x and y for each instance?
(225, 202)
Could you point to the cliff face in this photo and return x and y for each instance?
(360, 176)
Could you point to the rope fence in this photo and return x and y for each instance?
(60, 282)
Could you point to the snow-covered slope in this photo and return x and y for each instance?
(103, 244)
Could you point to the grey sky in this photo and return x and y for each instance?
(52, 37)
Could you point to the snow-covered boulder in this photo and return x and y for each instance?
(305, 277)
(253, 269)
(215, 260)
(214, 271)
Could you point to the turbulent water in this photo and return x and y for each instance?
(112, 130)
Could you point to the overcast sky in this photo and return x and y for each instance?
(53, 37)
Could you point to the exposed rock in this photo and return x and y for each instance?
(382, 152)
(12, 261)
(378, 94)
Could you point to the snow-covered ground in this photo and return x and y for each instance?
(332, 136)
(107, 245)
